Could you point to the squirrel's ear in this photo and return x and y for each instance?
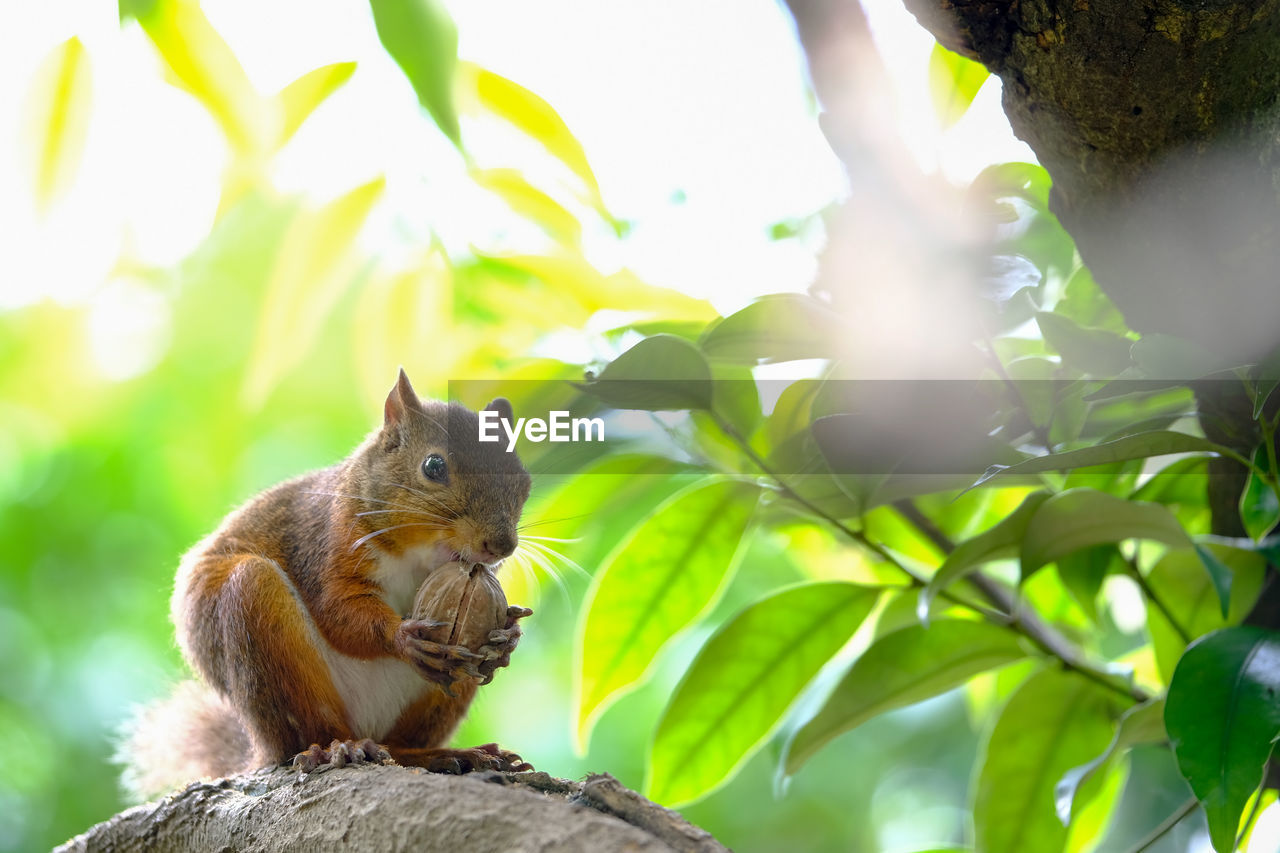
(502, 406)
(400, 402)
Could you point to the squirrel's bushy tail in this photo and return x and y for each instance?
(188, 735)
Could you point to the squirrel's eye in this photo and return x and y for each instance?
(434, 468)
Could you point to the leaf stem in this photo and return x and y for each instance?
(1272, 477)
(1253, 815)
(1040, 432)
(1167, 824)
(1132, 570)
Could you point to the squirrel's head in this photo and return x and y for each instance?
(429, 480)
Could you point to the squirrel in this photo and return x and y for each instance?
(292, 612)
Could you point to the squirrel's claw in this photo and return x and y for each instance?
(487, 756)
(340, 753)
(502, 642)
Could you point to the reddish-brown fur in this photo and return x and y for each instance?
(293, 581)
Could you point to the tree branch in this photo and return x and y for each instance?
(398, 808)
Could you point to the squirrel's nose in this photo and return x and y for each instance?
(500, 545)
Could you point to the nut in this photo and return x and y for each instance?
(467, 598)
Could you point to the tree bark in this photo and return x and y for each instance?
(398, 808)
(1157, 121)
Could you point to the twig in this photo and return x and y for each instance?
(1131, 565)
(1027, 622)
(1027, 625)
(1167, 824)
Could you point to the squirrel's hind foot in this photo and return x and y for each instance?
(488, 756)
(340, 753)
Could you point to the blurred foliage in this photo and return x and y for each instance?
(760, 619)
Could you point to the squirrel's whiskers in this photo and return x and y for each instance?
(376, 533)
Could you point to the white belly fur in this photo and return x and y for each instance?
(375, 692)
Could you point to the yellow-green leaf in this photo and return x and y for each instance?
(1139, 725)
(1054, 722)
(395, 313)
(954, 81)
(1078, 518)
(58, 119)
(317, 259)
(900, 669)
(667, 574)
(1191, 596)
(743, 680)
(300, 98)
(531, 203)
(200, 62)
(535, 117)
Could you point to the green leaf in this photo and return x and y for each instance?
(1181, 482)
(1095, 351)
(1141, 724)
(1083, 572)
(954, 81)
(1167, 357)
(780, 327)
(663, 372)
(1266, 377)
(58, 119)
(1140, 446)
(736, 399)
(136, 9)
(422, 39)
(1180, 579)
(1027, 181)
(996, 543)
(1223, 715)
(792, 413)
(300, 98)
(665, 576)
(1054, 722)
(742, 681)
(1220, 573)
(1079, 518)
(1083, 301)
(1259, 508)
(900, 669)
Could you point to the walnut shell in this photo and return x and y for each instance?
(468, 598)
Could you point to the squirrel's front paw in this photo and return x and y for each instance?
(435, 661)
(339, 754)
(502, 642)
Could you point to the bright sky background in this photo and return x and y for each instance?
(702, 137)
